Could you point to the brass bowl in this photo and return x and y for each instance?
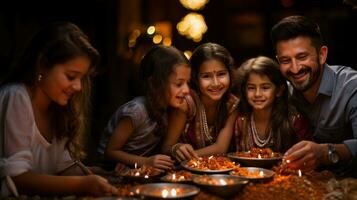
(220, 184)
(156, 190)
(255, 162)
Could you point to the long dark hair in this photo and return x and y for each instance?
(156, 67)
(58, 43)
(213, 51)
(282, 111)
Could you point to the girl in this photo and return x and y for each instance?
(265, 117)
(133, 133)
(208, 124)
(43, 108)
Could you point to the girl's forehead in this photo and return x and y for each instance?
(258, 77)
(212, 65)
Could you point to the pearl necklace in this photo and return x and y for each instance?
(257, 140)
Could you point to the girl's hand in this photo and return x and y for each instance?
(97, 186)
(184, 152)
(160, 161)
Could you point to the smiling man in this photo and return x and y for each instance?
(326, 94)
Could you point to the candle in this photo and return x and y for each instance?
(299, 172)
(173, 192)
(136, 165)
(164, 193)
(222, 182)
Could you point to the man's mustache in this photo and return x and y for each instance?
(301, 71)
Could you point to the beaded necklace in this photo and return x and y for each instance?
(204, 125)
(257, 140)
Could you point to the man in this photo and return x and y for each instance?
(326, 94)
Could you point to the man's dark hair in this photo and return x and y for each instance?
(295, 26)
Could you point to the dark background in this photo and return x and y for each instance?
(242, 26)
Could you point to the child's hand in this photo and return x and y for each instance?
(184, 152)
(160, 161)
(97, 186)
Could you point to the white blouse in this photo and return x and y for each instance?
(23, 148)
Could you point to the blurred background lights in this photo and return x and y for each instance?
(151, 30)
(157, 39)
(194, 4)
(167, 41)
(192, 26)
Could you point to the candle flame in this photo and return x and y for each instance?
(261, 173)
(137, 174)
(173, 176)
(259, 156)
(300, 173)
(223, 182)
(146, 176)
(287, 161)
(173, 192)
(164, 193)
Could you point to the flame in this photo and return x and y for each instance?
(173, 176)
(261, 174)
(173, 192)
(299, 172)
(137, 174)
(146, 176)
(164, 193)
(259, 156)
(223, 182)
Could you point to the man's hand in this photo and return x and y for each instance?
(306, 155)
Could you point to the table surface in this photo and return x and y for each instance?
(315, 185)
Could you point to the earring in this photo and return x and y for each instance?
(39, 77)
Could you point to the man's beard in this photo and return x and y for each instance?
(313, 77)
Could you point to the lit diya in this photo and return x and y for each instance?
(257, 157)
(166, 190)
(142, 174)
(178, 176)
(253, 173)
(209, 164)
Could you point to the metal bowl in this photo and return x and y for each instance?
(254, 173)
(142, 178)
(220, 184)
(165, 190)
(256, 162)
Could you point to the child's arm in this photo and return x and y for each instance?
(177, 122)
(118, 139)
(41, 184)
(223, 139)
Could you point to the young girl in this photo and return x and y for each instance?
(265, 117)
(43, 108)
(134, 133)
(208, 125)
